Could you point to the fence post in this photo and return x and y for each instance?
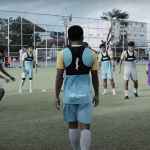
(8, 40)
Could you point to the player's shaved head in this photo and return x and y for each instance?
(75, 33)
(131, 44)
(103, 45)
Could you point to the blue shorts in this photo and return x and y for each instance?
(28, 70)
(27, 73)
(81, 113)
(107, 75)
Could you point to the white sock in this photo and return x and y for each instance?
(135, 90)
(105, 91)
(126, 92)
(20, 86)
(30, 86)
(114, 91)
(74, 137)
(85, 139)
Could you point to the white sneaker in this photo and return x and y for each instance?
(114, 92)
(20, 90)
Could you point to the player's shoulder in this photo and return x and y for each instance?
(59, 54)
(90, 52)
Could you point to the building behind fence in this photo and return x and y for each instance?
(48, 33)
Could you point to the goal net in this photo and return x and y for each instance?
(45, 56)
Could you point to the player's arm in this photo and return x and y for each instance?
(99, 56)
(58, 86)
(59, 79)
(147, 69)
(121, 60)
(6, 73)
(34, 59)
(95, 81)
(2, 77)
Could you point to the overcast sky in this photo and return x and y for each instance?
(139, 10)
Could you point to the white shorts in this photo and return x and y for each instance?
(130, 74)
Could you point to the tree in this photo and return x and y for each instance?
(28, 34)
(115, 15)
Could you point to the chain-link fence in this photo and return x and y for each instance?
(49, 32)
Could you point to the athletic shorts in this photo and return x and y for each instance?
(130, 74)
(107, 75)
(27, 70)
(27, 73)
(81, 113)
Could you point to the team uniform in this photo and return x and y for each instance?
(77, 61)
(148, 73)
(27, 65)
(130, 71)
(106, 65)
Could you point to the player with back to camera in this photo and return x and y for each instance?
(78, 62)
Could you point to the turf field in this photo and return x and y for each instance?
(30, 121)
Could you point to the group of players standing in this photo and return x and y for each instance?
(80, 64)
(107, 63)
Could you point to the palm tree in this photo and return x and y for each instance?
(114, 15)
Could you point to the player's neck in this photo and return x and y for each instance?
(76, 43)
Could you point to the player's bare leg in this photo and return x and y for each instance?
(112, 82)
(2, 93)
(135, 82)
(105, 86)
(21, 85)
(126, 89)
(74, 135)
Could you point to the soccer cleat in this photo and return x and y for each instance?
(126, 97)
(136, 94)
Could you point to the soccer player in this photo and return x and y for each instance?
(2, 91)
(148, 69)
(27, 66)
(78, 63)
(130, 72)
(107, 67)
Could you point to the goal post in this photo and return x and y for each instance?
(46, 56)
